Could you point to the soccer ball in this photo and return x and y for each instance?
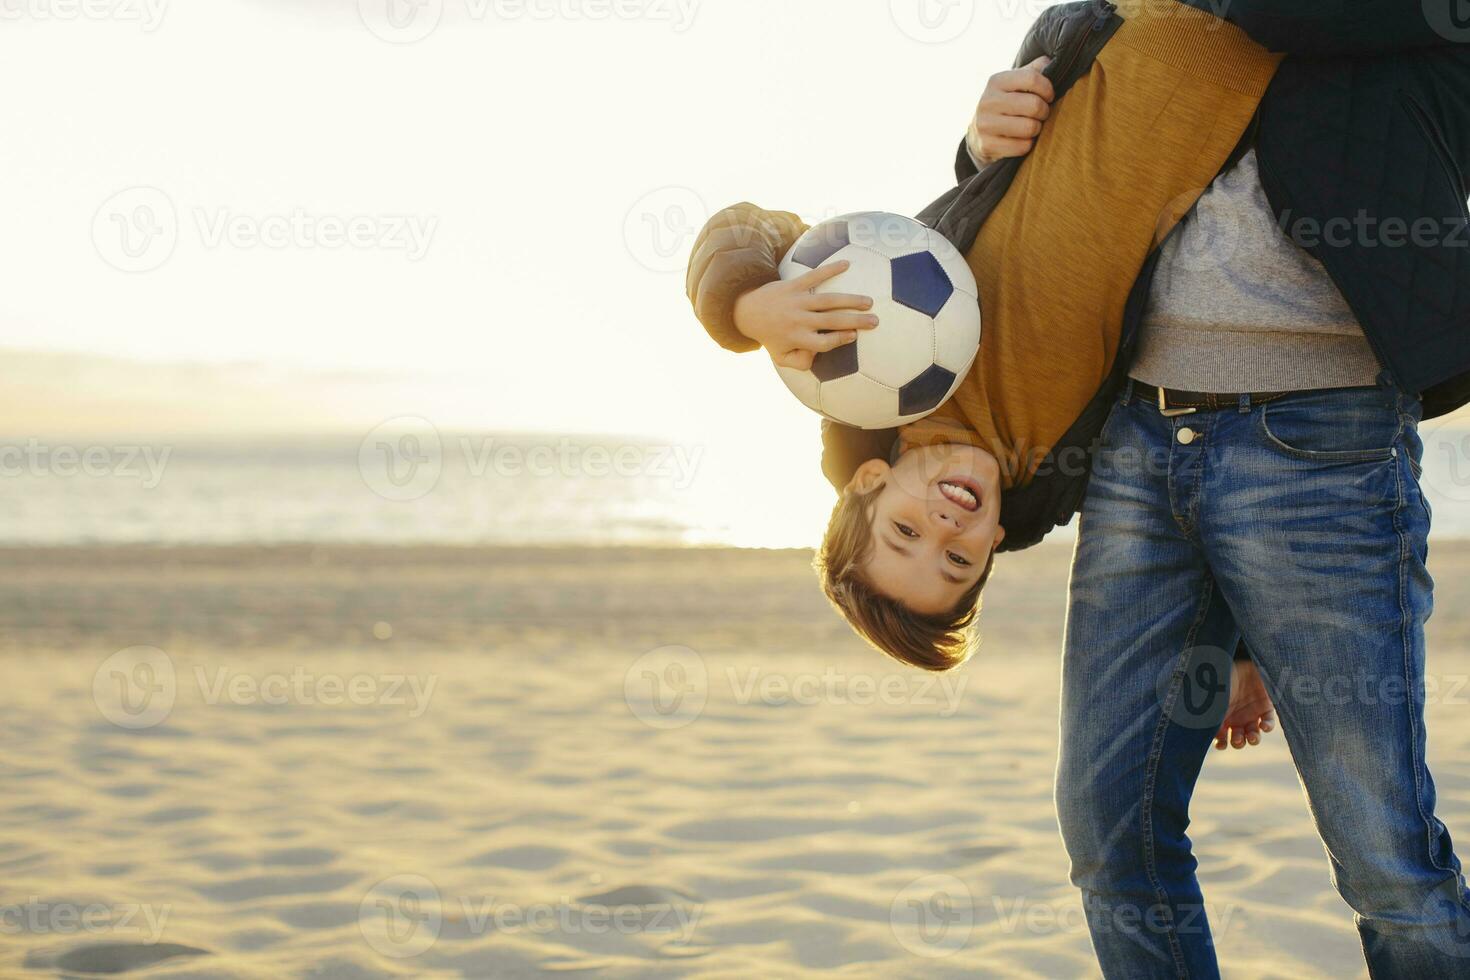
(928, 311)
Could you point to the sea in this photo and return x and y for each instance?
(403, 486)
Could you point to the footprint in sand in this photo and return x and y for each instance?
(110, 870)
(318, 915)
(110, 958)
(982, 852)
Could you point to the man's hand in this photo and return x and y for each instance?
(1250, 712)
(794, 324)
(1011, 112)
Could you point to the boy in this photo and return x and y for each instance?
(1122, 158)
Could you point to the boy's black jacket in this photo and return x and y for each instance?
(1363, 137)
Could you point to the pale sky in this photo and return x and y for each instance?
(503, 175)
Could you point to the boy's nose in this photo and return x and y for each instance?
(947, 519)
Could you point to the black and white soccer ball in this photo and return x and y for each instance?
(928, 310)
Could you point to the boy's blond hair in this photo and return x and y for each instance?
(931, 642)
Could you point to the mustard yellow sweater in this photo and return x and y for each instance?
(1122, 159)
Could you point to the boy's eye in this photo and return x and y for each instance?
(959, 559)
(905, 530)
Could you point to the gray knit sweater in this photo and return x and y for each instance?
(1237, 306)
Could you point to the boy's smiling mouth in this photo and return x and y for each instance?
(962, 493)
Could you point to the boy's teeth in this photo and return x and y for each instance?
(959, 494)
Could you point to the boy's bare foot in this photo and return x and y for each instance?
(1251, 712)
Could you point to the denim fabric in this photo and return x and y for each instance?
(1298, 525)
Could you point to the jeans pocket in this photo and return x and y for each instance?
(1413, 447)
(1344, 426)
(1107, 435)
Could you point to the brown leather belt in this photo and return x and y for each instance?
(1172, 402)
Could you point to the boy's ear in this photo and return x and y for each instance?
(1000, 535)
(869, 477)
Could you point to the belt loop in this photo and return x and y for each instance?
(1128, 393)
(1245, 403)
(1391, 389)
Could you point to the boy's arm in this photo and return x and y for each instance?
(1341, 28)
(738, 250)
(1008, 119)
(736, 288)
(1016, 102)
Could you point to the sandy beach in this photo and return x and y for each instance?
(359, 762)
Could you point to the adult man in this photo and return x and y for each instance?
(1259, 477)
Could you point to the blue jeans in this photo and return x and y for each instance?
(1298, 525)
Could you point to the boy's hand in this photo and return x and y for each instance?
(1011, 112)
(795, 324)
(1251, 712)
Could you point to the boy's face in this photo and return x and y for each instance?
(936, 523)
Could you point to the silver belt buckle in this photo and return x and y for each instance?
(1172, 413)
